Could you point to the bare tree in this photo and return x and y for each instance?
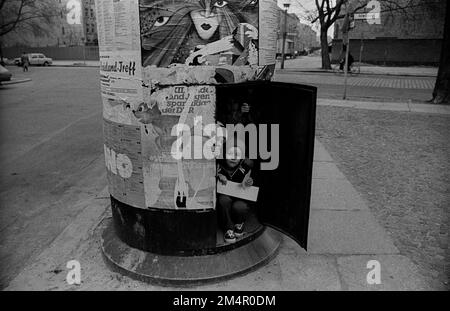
(27, 15)
(327, 13)
(441, 89)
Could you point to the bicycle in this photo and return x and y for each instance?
(354, 70)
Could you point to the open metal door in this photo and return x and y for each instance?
(284, 194)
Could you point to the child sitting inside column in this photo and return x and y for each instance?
(232, 212)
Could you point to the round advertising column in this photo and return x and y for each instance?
(160, 65)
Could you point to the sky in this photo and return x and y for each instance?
(300, 7)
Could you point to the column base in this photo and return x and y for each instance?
(188, 270)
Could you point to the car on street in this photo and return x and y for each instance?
(37, 59)
(5, 75)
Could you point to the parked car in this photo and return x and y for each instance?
(5, 75)
(39, 59)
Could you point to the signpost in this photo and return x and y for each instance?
(346, 43)
(286, 5)
(372, 17)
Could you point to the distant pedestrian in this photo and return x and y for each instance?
(25, 61)
(342, 61)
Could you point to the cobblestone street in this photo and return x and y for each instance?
(423, 83)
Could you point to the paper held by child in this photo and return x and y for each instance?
(234, 189)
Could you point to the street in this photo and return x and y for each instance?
(52, 160)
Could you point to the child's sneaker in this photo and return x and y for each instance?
(229, 236)
(239, 230)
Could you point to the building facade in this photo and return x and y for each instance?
(307, 38)
(300, 37)
(89, 22)
(412, 36)
(292, 42)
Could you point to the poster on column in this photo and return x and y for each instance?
(118, 25)
(121, 85)
(185, 180)
(220, 36)
(120, 59)
(268, 20)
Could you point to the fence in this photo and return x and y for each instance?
(57, 53)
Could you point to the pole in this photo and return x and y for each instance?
(284, 38)
(346, 43)
(346, 69)
(361, 48)
(84, 53)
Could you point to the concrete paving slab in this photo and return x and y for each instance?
(337, 194)
(320, 153)
(397, 273)
(292, 269)
(435, 109)
(395, 107)
(347, 232)
(301, 271)
(326, 170)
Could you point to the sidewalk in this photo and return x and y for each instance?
(372, 105)
(313, 63)
(343, 237)
(300, 64)
(76, 63)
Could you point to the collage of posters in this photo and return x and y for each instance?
(158, 60)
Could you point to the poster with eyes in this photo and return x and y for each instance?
(177, 35)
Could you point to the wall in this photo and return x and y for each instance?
(57, 53)
(411, 37)
(397, 52)
(421, 22)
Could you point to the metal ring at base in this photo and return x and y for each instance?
(188, 270)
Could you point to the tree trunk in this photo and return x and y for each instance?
(326, 63)
(441, 94)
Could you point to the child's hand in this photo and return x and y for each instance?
(222, 179)
(248, 182)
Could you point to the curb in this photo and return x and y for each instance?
(293, 70)
(76, 65)
(15, 81)
(386, 106)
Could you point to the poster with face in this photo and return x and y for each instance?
(199, 32)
